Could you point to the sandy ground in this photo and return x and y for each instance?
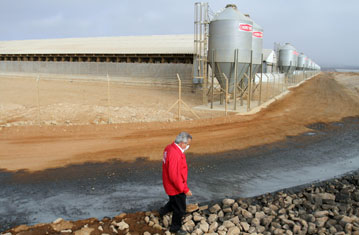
(23, 101)
(325, 98)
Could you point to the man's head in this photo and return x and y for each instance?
(183, 140)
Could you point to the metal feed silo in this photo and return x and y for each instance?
(257, 46)
(287, 58)
(306, 64)
(230, 30)
(301, 61)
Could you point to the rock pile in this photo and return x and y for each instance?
(326, 208)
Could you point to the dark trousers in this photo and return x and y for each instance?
(177, 205)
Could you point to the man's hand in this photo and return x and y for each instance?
(189, 193)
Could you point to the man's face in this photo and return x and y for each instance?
(189, 141)
(184, 145)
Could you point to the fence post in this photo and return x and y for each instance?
(108, 99)
(260, 82)
(226, 94)
(179, 96)
(38, 99)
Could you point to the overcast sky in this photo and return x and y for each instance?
(325, 30)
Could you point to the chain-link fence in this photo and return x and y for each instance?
(49, 99)
(262, 88)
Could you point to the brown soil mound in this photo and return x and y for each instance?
(326, 98)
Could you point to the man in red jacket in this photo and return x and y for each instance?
(174, 176)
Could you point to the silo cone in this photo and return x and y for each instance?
(229, 70)
(230, 30)
(287, 59)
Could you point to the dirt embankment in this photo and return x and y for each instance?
(325, 98)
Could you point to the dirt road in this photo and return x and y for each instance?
(325, 98)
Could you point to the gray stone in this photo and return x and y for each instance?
(198, 231)
(252, 230)
(304, 223)
(233, 231)
(85, 231)
(188, 226)
(287, 221)
(122, 225)
(320, 213)
(260, 215)
(278, 231)
(311, 228)
(245, 226)
(204, 226)
(326, 196)
(267, 210)
(273, 207)
(222, 228)
(276, 225)
(252, 209)
(282, 211)
(227, 210)
(197, 218)
(155, 220)
(66, 231)
(345, 220)
(215, 208)
(266, 221)
(166, 221)
(235, 206)
(311, 218)
(348, 228)
(297, 201)
(339, 227)
(288, 201)
(321, 221)
(157, 226)
(213, 227)
(339, 233)
(235, 220)
(212, 218)
(58, 220)
(187, 218)
(220, 214)
(296, 229)
(255, 222)
(261, 229)
(228, 202)
(228, 224)
(247, 214)
(202, 208)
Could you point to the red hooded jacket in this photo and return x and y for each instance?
(174, 170)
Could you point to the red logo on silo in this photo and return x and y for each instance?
(295, 53)
(258, 34)
(245, 27)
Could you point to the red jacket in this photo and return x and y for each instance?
(174, 170)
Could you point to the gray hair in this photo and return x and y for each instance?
(183, 138)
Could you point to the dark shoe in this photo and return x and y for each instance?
(161, 212)
(181, 232)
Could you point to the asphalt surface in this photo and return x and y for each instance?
(107, 189)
